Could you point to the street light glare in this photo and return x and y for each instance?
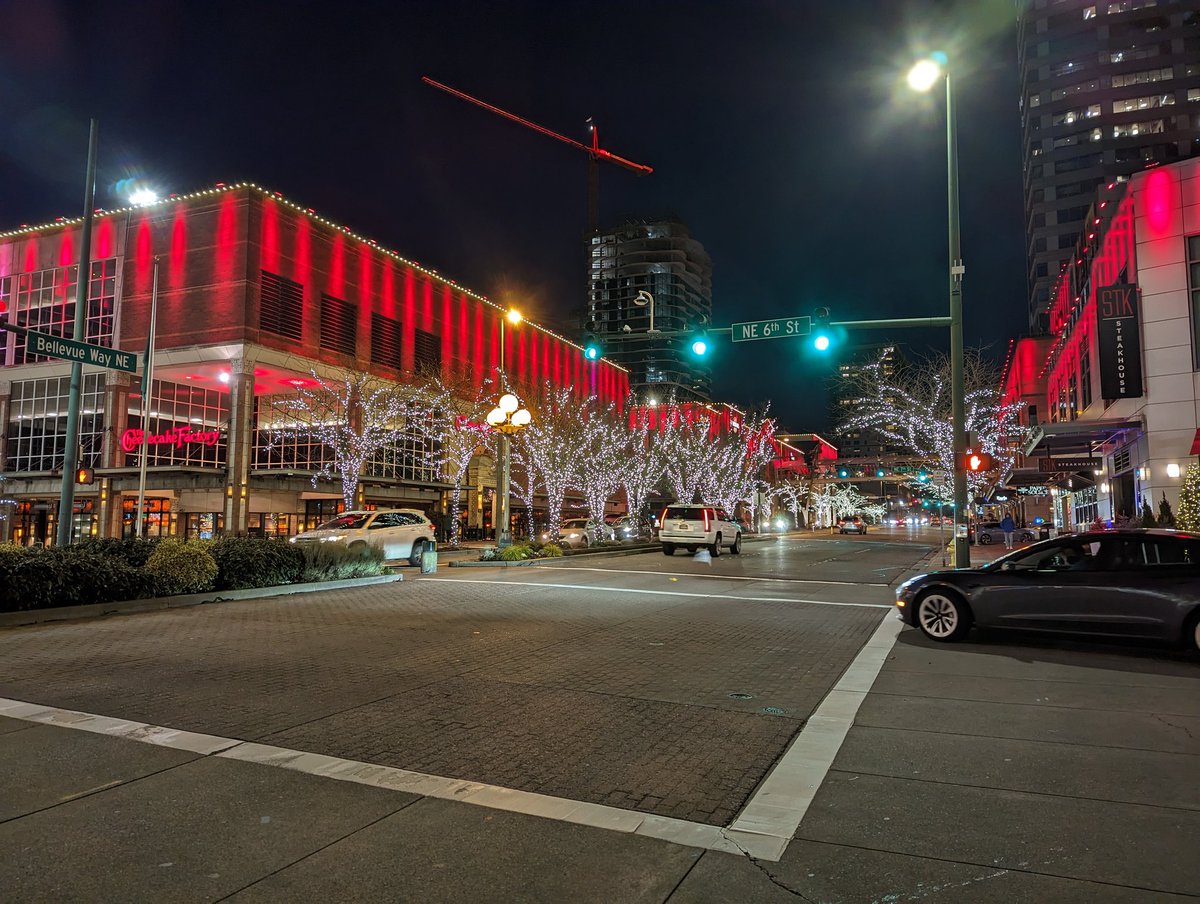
(924, 75)
(143, 197)
(513, 315)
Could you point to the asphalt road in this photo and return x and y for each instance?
(634, 729)
(658, 684)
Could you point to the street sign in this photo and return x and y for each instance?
(782, 328)
(84, 352)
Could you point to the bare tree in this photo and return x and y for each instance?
(551, 443)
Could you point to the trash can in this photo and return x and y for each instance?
(1043, 533)
(429, 559)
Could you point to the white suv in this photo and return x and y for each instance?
(693, 526)
(399, 533)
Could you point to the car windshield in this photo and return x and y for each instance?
(345, 522)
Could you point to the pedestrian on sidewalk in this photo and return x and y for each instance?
(1009, 527)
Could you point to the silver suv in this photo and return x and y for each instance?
(693, 526)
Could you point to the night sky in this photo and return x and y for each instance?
(781, 132)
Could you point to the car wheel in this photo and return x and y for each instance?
(736, 548)
(842, 530)
(985, 540)
(1191, 632)
(668, 549)
(942, 616)
(1027, 537)
(414, 557)
(715, 546)
(583, 542)
(691, 549)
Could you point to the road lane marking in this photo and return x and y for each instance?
(714, 577)
(773, 814)
(713, 596)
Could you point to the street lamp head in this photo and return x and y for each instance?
(496, 417)
(143, 197)
(521, 418)
(924, 74)
(514, 316)
(509, 403)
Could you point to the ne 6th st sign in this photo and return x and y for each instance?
(84, 352)
(783, 328)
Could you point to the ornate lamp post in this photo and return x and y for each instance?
(507, 418)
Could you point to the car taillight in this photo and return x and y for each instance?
(706, 520)
(663, 519)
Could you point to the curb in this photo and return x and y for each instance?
(129, 607)
(620, 551)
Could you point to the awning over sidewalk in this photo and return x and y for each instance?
(1077, 436)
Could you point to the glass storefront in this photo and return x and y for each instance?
(159, 518)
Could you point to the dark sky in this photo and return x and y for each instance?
(781, 132)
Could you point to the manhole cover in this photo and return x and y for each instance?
(774, 711)
(741, 696)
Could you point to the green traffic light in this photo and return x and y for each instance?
(821, 342)
(592, 351)
(699, 347)
(880, 473)
(843, 473)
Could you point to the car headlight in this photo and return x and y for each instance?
(905, 589)
(336, 538)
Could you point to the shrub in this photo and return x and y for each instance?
(514, 553)
(182, 567)
(245, 562)
(131, 550)
(334, 562)
(551, 551)
(74, 576)
(488, 555)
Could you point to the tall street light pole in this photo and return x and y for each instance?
(922, 77)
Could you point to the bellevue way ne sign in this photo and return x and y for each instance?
(782, 328)
(84, 352)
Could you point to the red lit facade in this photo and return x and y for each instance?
(254, 292)
(1141, 241)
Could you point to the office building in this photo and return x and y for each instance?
(660, 260)
(1107, 89)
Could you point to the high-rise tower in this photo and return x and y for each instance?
(660, 258)
(1107, 89)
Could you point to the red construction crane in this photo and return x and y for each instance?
(594, 151)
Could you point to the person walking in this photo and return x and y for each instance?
(1008, 526)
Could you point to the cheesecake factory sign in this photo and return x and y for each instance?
(1120, 342)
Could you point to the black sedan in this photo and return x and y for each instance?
(1122, 583)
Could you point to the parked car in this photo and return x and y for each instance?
(693, 526)
(989, 532)
(579, 533)
(854, 525)
(1124, 583)
(632, 529)
(398, 533)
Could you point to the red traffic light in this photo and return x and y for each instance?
(976, 462)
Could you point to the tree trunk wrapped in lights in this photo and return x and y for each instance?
(457, 434)
(643, 464)
(601, 446)
(551, 442)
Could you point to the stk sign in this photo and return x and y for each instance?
(1120, 341)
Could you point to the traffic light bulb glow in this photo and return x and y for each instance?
(699, 347)
(821, 343)
(592, 353)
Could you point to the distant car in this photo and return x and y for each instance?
(1124, 583)
(693, 526)
(854, 525)
(578, 533)
(397, 533)
(632, 529)
(989, 532)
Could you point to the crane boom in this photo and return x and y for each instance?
(597, 152)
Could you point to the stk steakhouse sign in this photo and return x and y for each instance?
(1120, 341)
(131, 439)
